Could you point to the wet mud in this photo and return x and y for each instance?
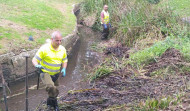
(115, 90)
(118, 51)
(171, 57)
(123, 87)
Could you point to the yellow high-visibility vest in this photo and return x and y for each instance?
(106, 17)
(50, 58)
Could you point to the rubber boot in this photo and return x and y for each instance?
(56, 107)
(52, 102)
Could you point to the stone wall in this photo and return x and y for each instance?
(14, 66)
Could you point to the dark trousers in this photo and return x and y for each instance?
(105, 32)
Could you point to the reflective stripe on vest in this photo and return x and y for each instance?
(50, 58)
(64, 59)
(38, 58)
(50, 64)
(50, 70)
(106, 17)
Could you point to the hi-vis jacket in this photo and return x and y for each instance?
(50, 58)
(106, 17)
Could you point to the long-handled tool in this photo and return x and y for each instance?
(4, 90)
(26, 82)
(38, 71)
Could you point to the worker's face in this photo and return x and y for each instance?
(57, 40)
(106, 8)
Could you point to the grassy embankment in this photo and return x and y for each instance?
(149, 30)
(21, 19)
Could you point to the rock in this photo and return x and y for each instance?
(5, 57)
(14, 66)
(19, 63)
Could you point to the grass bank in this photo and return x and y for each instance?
(180, 7)
(158, 42)
(143, 64)
(21, 19)
(148, 28)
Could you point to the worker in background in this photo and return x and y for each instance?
(50, 58)
(105, 22)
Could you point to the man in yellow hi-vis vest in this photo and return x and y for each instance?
(50, 58)
(105, 22)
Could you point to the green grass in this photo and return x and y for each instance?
(181, 7)
(68, 17)
(100, 72)
(8, 33)
(35, 14)
(138, 20)
(69, 22)
(135, 20)
(66, 1)
(150, 54)
(159, 104)
(42, 39)
(154, 104)
(43, 16)
(30, 34)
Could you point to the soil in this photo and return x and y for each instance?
(116, 90)
(123, 87)
(118, 51)
(171, 57)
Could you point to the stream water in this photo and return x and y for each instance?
(80, 59)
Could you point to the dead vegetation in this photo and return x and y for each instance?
(124, 87)
(118, 51)
(127, 87)
(172, 58)
(116, 90)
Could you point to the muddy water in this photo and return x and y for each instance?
(80, 59)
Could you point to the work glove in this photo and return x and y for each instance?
(105, 26)
(110, 25)
(63, 71)
(38, 66)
